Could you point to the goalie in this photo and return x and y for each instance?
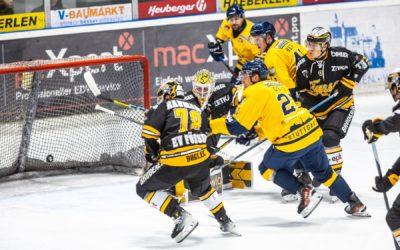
(372, 131)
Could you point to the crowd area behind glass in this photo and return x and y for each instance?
(9, 7)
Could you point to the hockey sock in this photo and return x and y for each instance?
(163, 201)
(214, 203)
(339, 187)
(335, 158)
(286, 180)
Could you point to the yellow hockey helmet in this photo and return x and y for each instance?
(170, 89)
(393, 84)
(203, 84)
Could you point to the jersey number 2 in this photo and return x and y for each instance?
(195, 119)
(287, 108)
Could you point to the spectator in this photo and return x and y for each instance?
(55, 5)
(6, 7)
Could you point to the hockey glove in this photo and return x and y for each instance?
(151, 158)
(383, 184)
(369, 130)
(216, 160)
(246, 137)
(216, 51)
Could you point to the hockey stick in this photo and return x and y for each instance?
(378, 166)
(108, 111)
(229, 69)
(265, 139)
(97, 93)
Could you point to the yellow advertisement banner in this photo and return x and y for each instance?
(25, 21)
(258, 4)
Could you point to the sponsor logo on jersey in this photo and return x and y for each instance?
(339, 54)
(339, 68)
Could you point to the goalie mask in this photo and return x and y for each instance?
(203, 85)
(393, 84)
(318, 42)
(170, 90)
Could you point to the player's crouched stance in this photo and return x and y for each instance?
(372, 131)
(181, 155)
(295, 137)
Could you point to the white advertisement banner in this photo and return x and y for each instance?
(372, 32)
(91, 15)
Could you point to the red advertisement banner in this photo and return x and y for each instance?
(165, 8)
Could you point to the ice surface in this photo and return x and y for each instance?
(102, 211)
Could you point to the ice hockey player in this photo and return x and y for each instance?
(326, 70)
(235, 28)
(280, 56)
(295, 137)
(373, 129)
(176, 146)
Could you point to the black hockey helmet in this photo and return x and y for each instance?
(234, 10)
(263, 28)
(393, 84)
(173, 89)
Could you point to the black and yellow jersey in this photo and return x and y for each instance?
(173, 131)
(281, 59)
(242, 45)
(340, 70)
(288, 127)
(219, 102)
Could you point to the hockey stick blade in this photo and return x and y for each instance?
(91, 83)
(108, 111)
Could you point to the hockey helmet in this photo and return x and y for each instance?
(171, 89)
(255, 66)
(234, 10)
(263, 28)
(203, 84)
(319, 35)
(393, 84)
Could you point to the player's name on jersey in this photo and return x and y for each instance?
(188, 139)
(181, 104)
(196, 156)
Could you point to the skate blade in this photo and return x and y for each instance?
(362, 215)
(186, 231)
(315, 200)
(289, 198)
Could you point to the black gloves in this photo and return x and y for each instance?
(383, 184)
(151, 158)
(369, 130)
(246, 137)
(216, 51)
(216, 160)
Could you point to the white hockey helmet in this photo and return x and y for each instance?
(203, 84)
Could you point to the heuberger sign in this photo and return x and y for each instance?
(165, 8)
(258, 4)
(174, 51)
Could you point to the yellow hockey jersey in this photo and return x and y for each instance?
(288, 127)
(281, 59)
(242, 45)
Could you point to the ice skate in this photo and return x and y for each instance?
(227, 225)
(356, 207)
(309, 200)
(184, 225)
(288, 197)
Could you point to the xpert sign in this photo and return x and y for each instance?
(91, 15)
(164, 8)
(258, 4)
(19, 22)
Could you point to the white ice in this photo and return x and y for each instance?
(102, 211)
